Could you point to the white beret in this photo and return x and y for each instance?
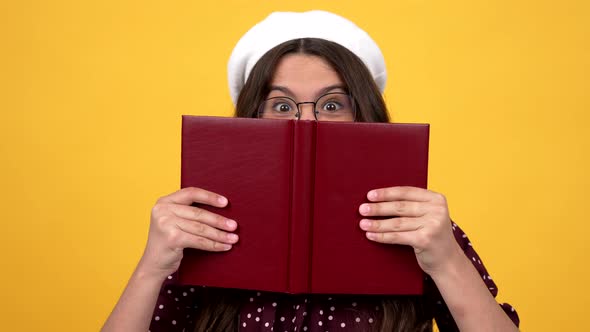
(280, 27)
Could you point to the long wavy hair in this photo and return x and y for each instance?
(219, 309)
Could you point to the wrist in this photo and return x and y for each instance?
(146, 273)
(452, 266)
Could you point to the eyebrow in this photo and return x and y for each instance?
(323, 91)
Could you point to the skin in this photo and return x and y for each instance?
(422, 221)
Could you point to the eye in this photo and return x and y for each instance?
(282, 107)
(331, 106)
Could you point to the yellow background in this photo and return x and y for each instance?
(91, 95)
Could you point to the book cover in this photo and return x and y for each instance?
(294, 188)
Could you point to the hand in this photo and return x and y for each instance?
(418, 218)
(176, 225)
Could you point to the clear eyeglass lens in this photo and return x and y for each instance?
(335, 107)
(278, 108)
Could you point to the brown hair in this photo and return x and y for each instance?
(219, 309)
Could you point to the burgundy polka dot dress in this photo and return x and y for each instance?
(177, 306)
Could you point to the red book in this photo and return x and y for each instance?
(295, 187)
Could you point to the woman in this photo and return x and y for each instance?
(311, 66)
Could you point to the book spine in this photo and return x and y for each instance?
(301, 206)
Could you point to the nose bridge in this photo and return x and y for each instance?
(307, 110)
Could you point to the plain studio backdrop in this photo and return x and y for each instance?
(91, 95)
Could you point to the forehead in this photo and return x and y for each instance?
(305, 74)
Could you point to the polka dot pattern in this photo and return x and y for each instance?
(176, 307)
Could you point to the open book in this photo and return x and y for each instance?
(294, 188)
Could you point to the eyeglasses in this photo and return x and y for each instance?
(334, 106)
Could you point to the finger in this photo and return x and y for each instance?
(206, 231)
(390, 225)
(190, 195)
(400, 194)
(203, 216)
(394, 208)
(403, 238)
(188, 240)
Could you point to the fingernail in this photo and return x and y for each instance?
(372, 194)
(231, 224)
(227, 247)
(365, 224)
(222, 200)
(232, 237)
(371, 236)
(365, 209)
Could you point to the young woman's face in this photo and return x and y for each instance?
(307, 79)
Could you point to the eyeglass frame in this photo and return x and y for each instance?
(314, 103)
